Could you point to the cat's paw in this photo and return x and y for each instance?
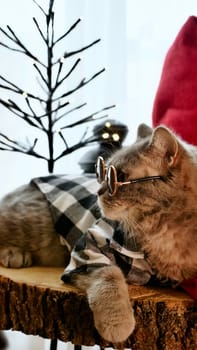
(14, 257)
(115, 324)
(109, 301)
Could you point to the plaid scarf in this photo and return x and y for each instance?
(93, 241)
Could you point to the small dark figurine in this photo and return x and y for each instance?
(110, 135)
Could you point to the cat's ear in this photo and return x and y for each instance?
(143, 131)
(166, 143)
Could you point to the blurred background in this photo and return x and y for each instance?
(135, 37)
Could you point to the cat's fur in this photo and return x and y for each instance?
(162, 214)
(27, 234)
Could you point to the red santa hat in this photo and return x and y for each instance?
(175, 102)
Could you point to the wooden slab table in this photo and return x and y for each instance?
(35, 301)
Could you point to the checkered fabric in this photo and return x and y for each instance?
(93, 241)
(72, 201)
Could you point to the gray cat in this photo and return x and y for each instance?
(148, 196)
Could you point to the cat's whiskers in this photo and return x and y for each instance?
(136, 225)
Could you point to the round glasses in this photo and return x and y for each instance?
(109, 174)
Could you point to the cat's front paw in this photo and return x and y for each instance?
(13, 257)
(109, 301)
(115, 325)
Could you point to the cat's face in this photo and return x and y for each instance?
(155, 153)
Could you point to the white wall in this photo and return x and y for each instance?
(136, 35)
(105, 90)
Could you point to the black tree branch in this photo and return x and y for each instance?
(68, 31)
(54, 108)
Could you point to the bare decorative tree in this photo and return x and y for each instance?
(51, 76)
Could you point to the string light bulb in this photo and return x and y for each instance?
(108, 124)
(105, 135)
(116, 137)
(24, 94)
(62, 59)
(94, 117)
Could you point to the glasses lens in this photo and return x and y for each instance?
(111, 180)
(100, 169)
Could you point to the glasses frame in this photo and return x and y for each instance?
(100, 169)
(105, 174)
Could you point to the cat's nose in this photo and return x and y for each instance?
(102, 190)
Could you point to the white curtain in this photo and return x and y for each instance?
(99, 19)
(135, 36)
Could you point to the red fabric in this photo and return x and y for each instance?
(175, 102)
(190, 286)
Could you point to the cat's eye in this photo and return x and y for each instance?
(109, 174)
(120, 176)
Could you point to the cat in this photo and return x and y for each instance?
(159, 213)
(162, 213)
